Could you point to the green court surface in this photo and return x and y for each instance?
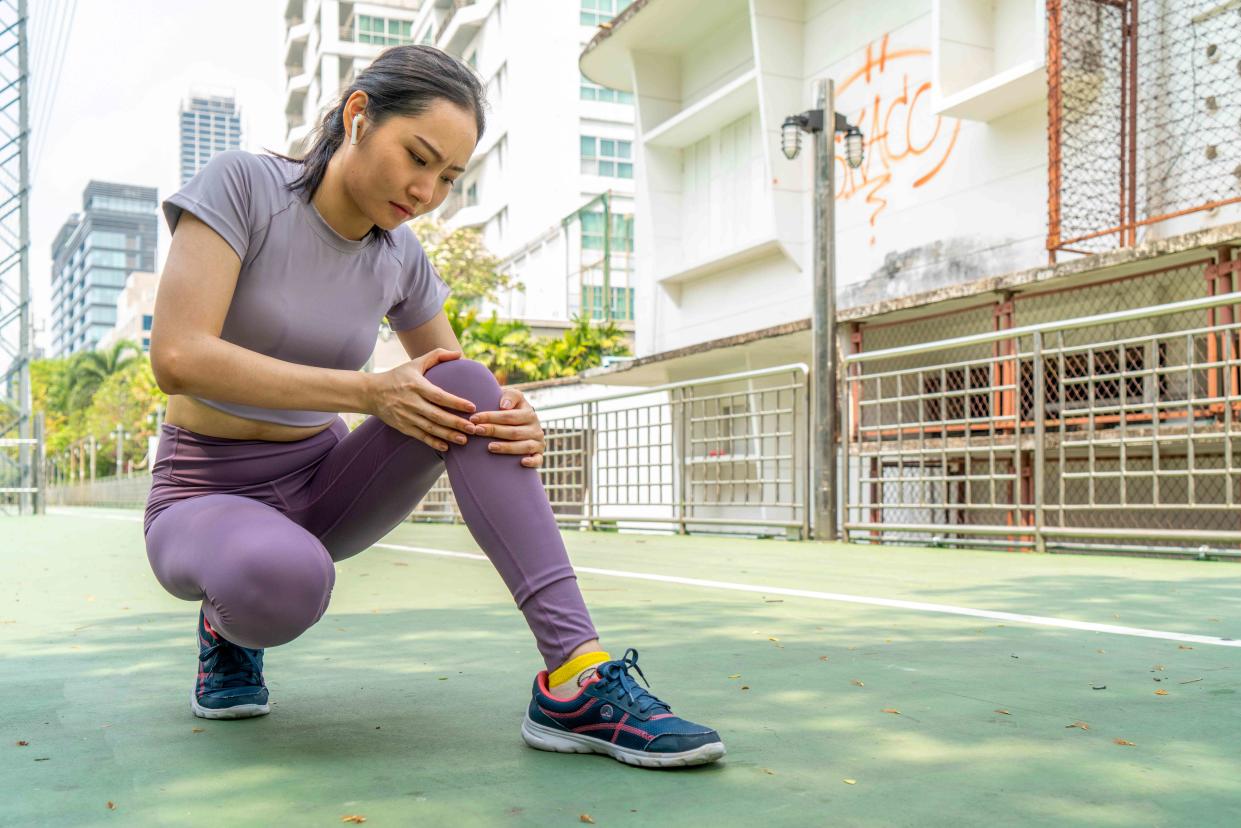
(403, 704)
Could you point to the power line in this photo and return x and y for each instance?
(49, 97)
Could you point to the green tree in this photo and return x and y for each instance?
(128, 396)
(463, 262)
(580, 347)
(504, 346)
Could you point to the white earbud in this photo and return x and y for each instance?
(354, 138)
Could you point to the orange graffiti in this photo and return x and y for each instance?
(894, 128)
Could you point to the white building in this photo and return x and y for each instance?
(135, 311)
(556, 156)
(326, 43)
(952, 96)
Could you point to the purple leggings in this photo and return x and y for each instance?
(251, 527)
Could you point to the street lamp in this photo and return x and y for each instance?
(823, 458)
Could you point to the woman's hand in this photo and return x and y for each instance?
(409, 402)
(515, 423)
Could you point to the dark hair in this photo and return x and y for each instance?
(403, 80)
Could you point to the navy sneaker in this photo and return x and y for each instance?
(612, 715)
(230, 678)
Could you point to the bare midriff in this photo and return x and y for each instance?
(192, 415)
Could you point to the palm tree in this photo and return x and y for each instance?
(88, 370)
(504, 346)
(582, 346)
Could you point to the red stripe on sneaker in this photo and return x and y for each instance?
(619, 725)
(626, 728)
(570, 715)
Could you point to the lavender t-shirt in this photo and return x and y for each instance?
(305, 293)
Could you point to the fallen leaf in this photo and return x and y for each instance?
(111, 805)
(400, 563)
(1158, 667)
(769, 771)
(774, 600)
(1100, 652)
(745, 687)
(769, 638)
(196, 730)
(1098, 687)
(586, 818)
(822, 658)
(1003, 712)
(1191, 681)
(1125, 742)
(22, 743)
(849, 781)
(735, 676)
(890, 710)
(1161, 692)
(443, 678)
(858, 683)
(1183, 647)
(353, 818)
(1082, 725)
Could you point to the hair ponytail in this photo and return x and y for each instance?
(403, 80)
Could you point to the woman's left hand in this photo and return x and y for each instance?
(515, 428)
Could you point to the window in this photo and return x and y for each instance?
(595, 12)
(592, 91)
(124, 205)
(471, 195)
(622, 232)
(622, 302)
(384, 32)
(146, 321)
(607, 157)
(146, 343)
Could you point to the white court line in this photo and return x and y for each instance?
(920, 606)
(894, 603)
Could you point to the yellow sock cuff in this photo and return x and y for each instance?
(570, 669)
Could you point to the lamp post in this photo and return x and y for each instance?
(824, 460)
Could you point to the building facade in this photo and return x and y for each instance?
(326, 43)
(135, 311)
(550, 185)
(210, 124)
(1064, 169)
(92, 255)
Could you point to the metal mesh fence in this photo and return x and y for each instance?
(726, 453)
(1114, 411)
(1144, 101)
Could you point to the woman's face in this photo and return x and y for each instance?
(406, 166)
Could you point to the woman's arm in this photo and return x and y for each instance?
(189, 357)
(435, 333)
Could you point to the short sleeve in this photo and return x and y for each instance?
(425, 291)
(222, 196)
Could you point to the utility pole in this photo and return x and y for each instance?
(15, 305)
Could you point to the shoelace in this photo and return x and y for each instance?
(617, 680)
(231, 665)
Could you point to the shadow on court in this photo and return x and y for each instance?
(403, 703)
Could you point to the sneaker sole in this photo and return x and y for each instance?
(545, 738)
(240, 711)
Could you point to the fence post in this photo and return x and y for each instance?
(846, 435)
(682, 420)
(588, 455)
(38, 461)
(1040, 442)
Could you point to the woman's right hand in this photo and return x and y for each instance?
(406, 400)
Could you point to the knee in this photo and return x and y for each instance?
(273, 593)
(468, 379)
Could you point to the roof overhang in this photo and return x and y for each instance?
(669, 27)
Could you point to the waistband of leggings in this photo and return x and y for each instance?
(184, 435)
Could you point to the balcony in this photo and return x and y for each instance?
(464, 25)
(988, 56)
(722, 106)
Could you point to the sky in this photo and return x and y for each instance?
(127, 66)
